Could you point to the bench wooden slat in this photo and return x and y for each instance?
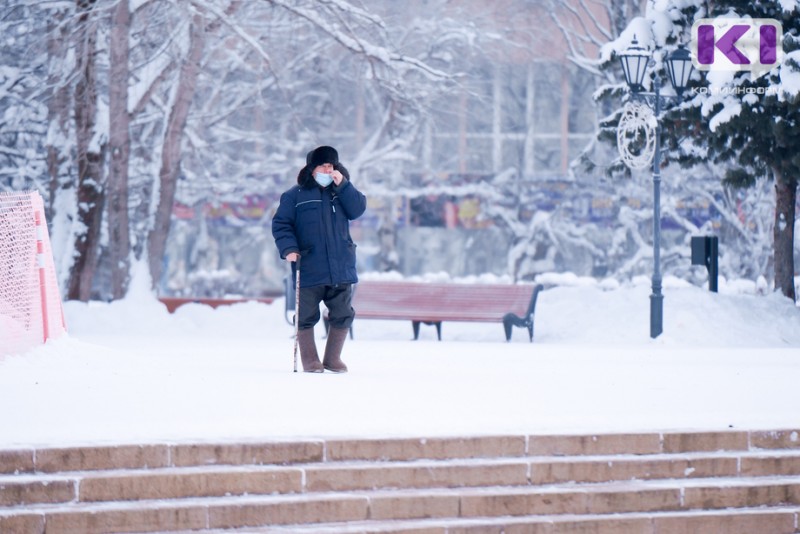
(440, 302)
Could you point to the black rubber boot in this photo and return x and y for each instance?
(333, 351)
(308, 351)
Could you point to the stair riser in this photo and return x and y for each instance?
(414, 507)
(617, 526)
(336, 509)
(25, 493)
(734, 523)
(739, 497)
(291, 480)
(27, 523)
(766, 466)
(560, 445)
(12, 462)
(541, 472)
(357, 508)
(386, 477)
(97, 458)
(196, 518)
(155, 456)
(544, 472)
(174, 486)
(280, 453)
(244, 515)
(428, 448)
(726, 524)
(705, 442)
(141, 520)
(577, 502)
(184, 518)
(168, 518)
(609, 502)
(775, 439)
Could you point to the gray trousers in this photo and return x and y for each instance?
(337, 299)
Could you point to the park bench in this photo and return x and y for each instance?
(434, 303)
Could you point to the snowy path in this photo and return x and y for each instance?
(221, 390)
(131, 373)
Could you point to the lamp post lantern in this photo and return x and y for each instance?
(634, 65)
(679, 67)
(634, 61)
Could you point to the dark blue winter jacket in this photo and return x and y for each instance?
(316, 223)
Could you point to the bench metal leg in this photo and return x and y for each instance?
(511, 320)
(437, 324)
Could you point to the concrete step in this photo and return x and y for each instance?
(548, 470)
(349, 476)
(184, 514)
(94, 458)
(53, 460)
(735, 521)
(467, 484)
(222, 480)
(202, 481)
(605, 498)
(479, 504)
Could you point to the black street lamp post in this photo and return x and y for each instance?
(679, 67)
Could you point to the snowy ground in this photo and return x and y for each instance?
(129, 372)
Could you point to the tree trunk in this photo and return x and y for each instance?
(89, 159)
(785, 202)
(57, 107)
(119, 140)
(171, 152)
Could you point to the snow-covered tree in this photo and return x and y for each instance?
(91, 143)
(119, 148)
(745, 125)
(758, 135)
(181, 90)
(223, 98)
(23, 119)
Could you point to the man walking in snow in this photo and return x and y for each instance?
(312, 225)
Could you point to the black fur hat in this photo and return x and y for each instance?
(320, 155)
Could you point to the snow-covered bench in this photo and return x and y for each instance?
(434, 303)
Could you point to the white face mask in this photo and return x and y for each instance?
(323, 179)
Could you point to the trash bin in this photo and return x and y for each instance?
(705, 251)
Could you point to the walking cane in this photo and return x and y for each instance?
(296, 310)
